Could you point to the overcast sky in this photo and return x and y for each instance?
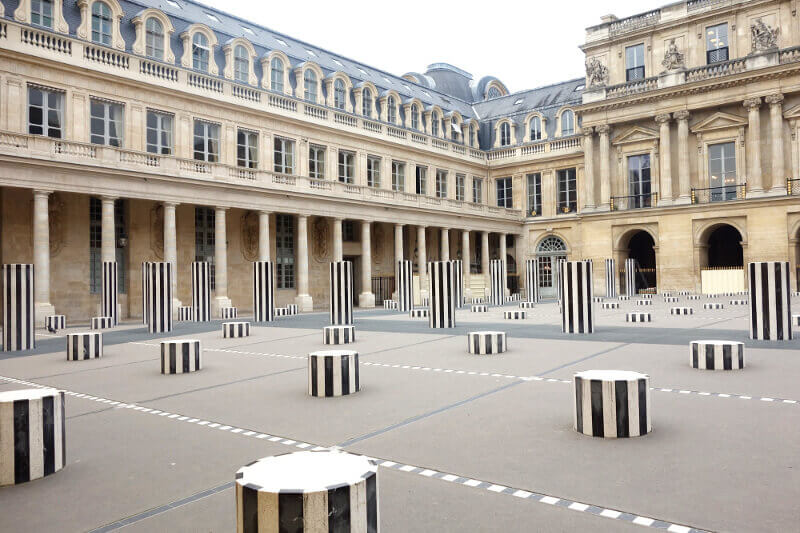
(525, 44)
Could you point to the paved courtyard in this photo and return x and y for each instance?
(465, 442)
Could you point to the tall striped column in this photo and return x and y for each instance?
(532, 280)
(458, 281)
(770, 306)
(577, 308)
(405, 285)
(611, 278)
(145, 294)
(442, 312)
(159, 297)
(201, 291)
(263, 291)
(110, 291)
(497, 292)
(630, 276)
(19, 313)
(560, 261)
(341, 276)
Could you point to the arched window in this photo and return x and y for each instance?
(310, 85)
(494, 92)
(551, 245)
(414, 117)
(154, 39)
(42, 13)
(536, 129)
(101, 23)
(200, 52)
(567, 123)
(366, 103)
(338, 94)
(241, 64)
(435, 125)
(471, 134)
(276, 74)
(505, 134)
(391, 110)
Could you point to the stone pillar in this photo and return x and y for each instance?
(665, 149)
(108, 236)
(445, 244)
(41, 256)
(422, 261)
(465, 258)
(775, 101)
(263, 236)
(366, 298)
(303, 299)
(337, 239)
(485, 261)
(220, 261)
(398, 243)
(684, 178)
(588, 174)
(171, 249)
(605, 167)
(754, 182)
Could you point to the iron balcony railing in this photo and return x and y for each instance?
(634, 201)
(719, 194)
(792, 186)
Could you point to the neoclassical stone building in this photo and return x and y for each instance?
(142, 130)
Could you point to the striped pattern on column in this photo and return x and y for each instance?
(630, 276)
(19, 313)
(514, 315)
(532, 280)
(333, 373)
(671, 299)
(442, 295)
(201, 291)
(738, 302)
(692, 296)
(308, 491)
(54, 323)
(577, 310)
(159, 297)
(638, 317)
(145, 293)
(713, 305)
(612, 403)
(263, 291)
(623, 297)
(480, 308)
(611, 278)
(770, 307)
(292, 309)
(102, 322)
(110, 291)
(341, 298)
(33, 441)
(527, 305)
(559, 287)
(338, 334)
(226, 313)
(644, 302)
(85, 345)
(181, 356)
(458, 281)
(486, 342)
(235, 330)
(281, 311)
(610, 305)
(681, 311)
(390, 305)
(716, 355)
(420, 312)
(185, 313)
(497, 291)
(405, 285)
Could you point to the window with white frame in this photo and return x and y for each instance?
(460, 187)
(536, 129)
(435, 124)
(241, 64)
(634, 62)
(276, 74)
(283, 155)
(477, 190)
(717, 44)
(505, 134)
(567, 197)
(101, 23)
(455, 128)
(284, 251)
(567, 123)
(534, 194)
(504, 193)
(441, 183)
(398, 176)
(366, 102)
(106, 123)
(722, 171)
(205, 219)
(391, 110)
(422, 179)
(247, 149)
(154, 39)
(45, 112)
(339, 94)
(639, 186)
(414, 117)
(347, 165)
(201, 52)
(310, 85)
(206, 141)
(159, 132)
(471, 139)
(373, 171)
(42, 13)
(316, 161)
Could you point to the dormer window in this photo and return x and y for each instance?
(717, 43)
(154, 39)
(366, 102)
(200, 52)
(505, 134)
(101, 23)
(276, 74)
(536, 129)
(471, 134)
(338, 94)
(241, 64)
(391, 111)
(414, 117)
(42, 13)
(634, 63)
(493, 92)
(567, 123)
(310, 85)
(435, 125)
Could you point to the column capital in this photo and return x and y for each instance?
(221, 208)
(682, 115)
(752, 103)
(588, 131)
(774, 99)
(109, 198)
(400, 224)
(663, 118)
(42, 192)
(170, 204)
(262, 212)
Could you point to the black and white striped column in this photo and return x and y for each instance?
(514, 315)
(235, 330)
(577, 309)
(110, 291)
(390, 305)
(638, 317)
(486, 342)
(159, 296)
(185, 313)
(458, 281)
(181, 356)
(681, 311)
(85, 345)
(53, 323)
(630, 276)
(532, 280)
(419, 312)
(497, 291)
(338, 334)
(102, 322)
(145, 293)
(341, 279)
(308, 491)
(770, 307)
(201, 291)
(333, 373)
(32, 444)
(610, 305)
(612, 403)
(559, 287)
(19, 313)
(716, 355)
(713, 305)
(611, 278)
(405, 285)
(263, 291)
(226, 313)
(480, 308)
(292, 309)
(442, 295)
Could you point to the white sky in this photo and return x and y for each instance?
(525, 44)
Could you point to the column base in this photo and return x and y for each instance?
(665, 201)
(305, 303)
(43, 309)
(366, 300)
(682, 200)
(603, 207)
(755, 193)
(778, 190)
(218, 303)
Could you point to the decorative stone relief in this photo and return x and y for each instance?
(321, 239)
(763, 37)
(596, 73)
(55, 214)
(673, 58)
(378, 243)
(249, 228)
(157, 231)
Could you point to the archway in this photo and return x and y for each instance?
(725, 248)
(641, 247)
(721, 256)
(549, 252)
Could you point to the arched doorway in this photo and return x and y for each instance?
(721, 259)
(725, 248)
(548, 253)
(641, 247)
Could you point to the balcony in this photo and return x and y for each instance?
(538, 150)
(719, 194)
(634, 201)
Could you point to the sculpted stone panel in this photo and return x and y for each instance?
(157, 231)
(249, 230)
(378, 243)
(763, 37)
(321, 236)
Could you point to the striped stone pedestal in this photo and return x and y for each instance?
(226, 313)
(479, 308)
(185, 313)
(770, 306)
(671, 299)
(527, 305)
(181, 356)
(681, 311)
(418, 313)
(281, 311)
(638, 317)
(442, 295)
(32, 438)
(692, 296)
(611, 278)
(110, 291)
(263, 291)
(390, 305)
(646, 296)
(683, 293)
(738, 302)
(623, 297)
(324, 491)
(458, 281)
(796, 320)
(612, 403)
(53, 323)
(514, 315)
(19, 312)
(577, 314)
(84, 345)
(644, 302)
(235, 330)
(716, 355)
(201, 291)
(338, 334)
(630, 277)
(333, 373)
(713, 305)
(404, 274)
(497, 277)
(531, 280)
(486, 342)
(598, 299)
(158, 293)
(292, 309)
(341, 293)
(609, 305)
(478, 300)
(102, 322)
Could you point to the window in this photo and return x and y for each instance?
(96, 244)
(101, 23)
(634, 62)
(310, 85)
(441, 183)
(154, 39)
(45, 112)
(504, 193)
(414, 117)
(398, 176)
(276, 74)
(391, 111)
(349, 231)
(471, 134)
(373, 170)
(639, 181)
(106, 123)
(247, 149)
(347, 166)
(567, 199)
(284, 251)
(241, 64)
(283, 156)
(206, 141)
(366, 103)
(717, 43)
(536, 129)
(494, 92)
(200, 52)
(534, 194)
(204, 240)
(455, 134)
(42, 13)
(435, 125)
(159, 133)
(422, 179)
(460, 193)
(477, 190)
(316, 161)
(722, 171)
(567, 123)
(505, 134)
(338, 94)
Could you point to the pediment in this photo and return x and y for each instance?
(793, 112)
(719, 121)
(636, 134)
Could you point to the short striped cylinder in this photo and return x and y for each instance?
(644, 302)
(390, 304)
(479, 308)
(598, 299)
(630, 276)
(666, 294)
(577, 312)
(32, 434)
(611, 278)
(235, 330)
(263, 291)
(514, 297)
(671, 299)
(478, 300)
(610, 305)
(405, 285)
(421, 312)
(716, 355)
(796, 320)
(527, 305)
(333, 373)
(102, 322)
(308, 491)
(84, 345)
(338, 334)
(442, 294)
(341, 296)
(692, 296)
(110, 291)
(795, 294)
(159, 296)
(612, 403)
(683, 293)
(770, 307)
(646, 296)
(281, 311)
(19, 312)
(185, 313)
(458, 281)
(181, 356)
(486, 342)
(497, 288)
(623, 297)
(426, 301)
(292, 309)
(681, 311)
(638, 317)
(532, 280)
(514, 315)
(709, 296)
(54, 323)
(227, 313)
(201, 291)
(738, 302)
(713, 305)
